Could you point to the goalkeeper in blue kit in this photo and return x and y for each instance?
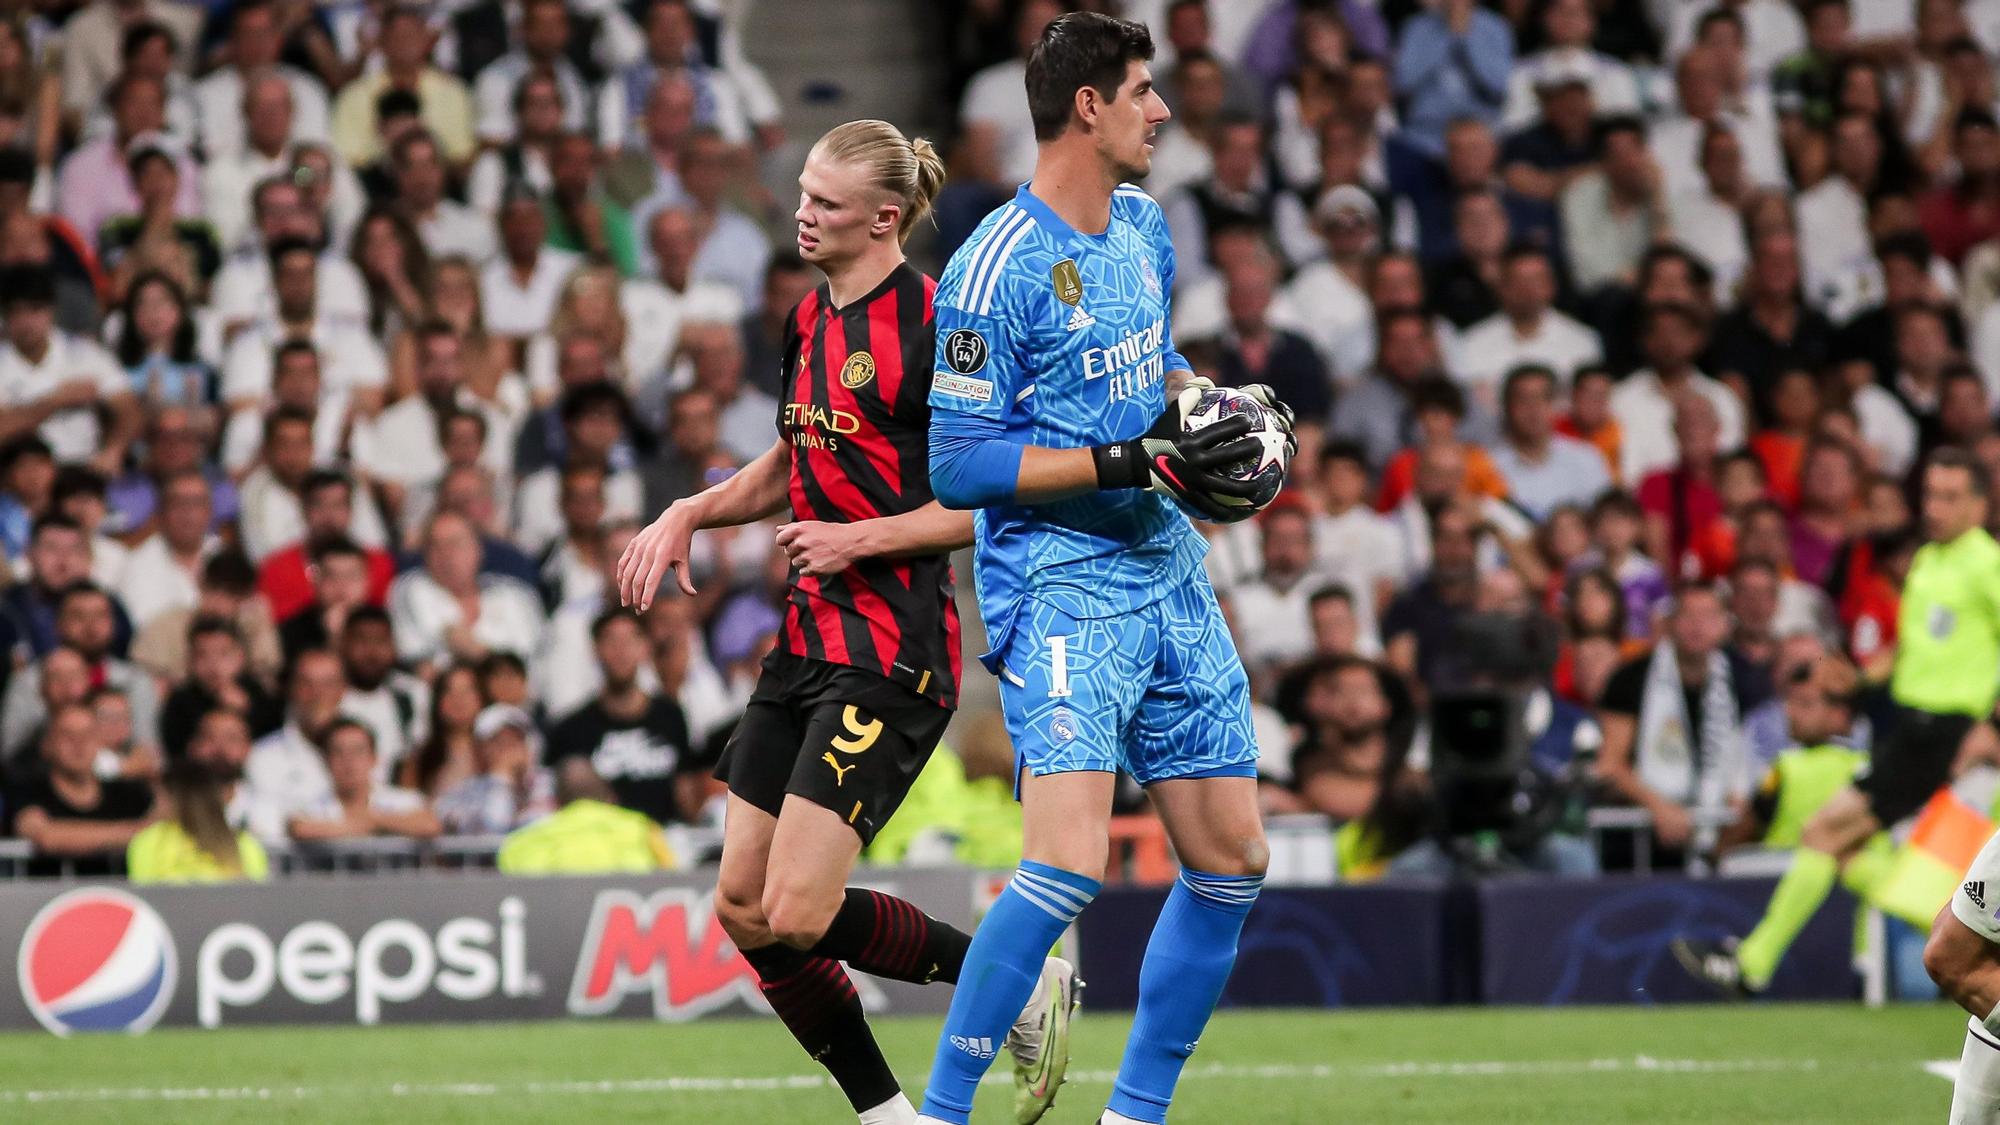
(1053, 415)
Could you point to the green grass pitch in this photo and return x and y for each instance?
(1759, 1063)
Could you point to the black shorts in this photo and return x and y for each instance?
(841, 737)
(1911, 763)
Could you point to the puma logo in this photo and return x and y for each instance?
(840, 772)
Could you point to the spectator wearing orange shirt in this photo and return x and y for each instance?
(1438, 408)
(1781, 446)
(1681, 502)
(1590, 419)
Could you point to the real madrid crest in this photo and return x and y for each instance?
(1068, 282)
(859, 368)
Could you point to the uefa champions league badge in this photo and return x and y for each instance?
(1062, 725)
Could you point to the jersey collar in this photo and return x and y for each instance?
(1048, 220)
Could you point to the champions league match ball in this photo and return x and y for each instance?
(1266, 469)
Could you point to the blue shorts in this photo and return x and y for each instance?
(1159, 692)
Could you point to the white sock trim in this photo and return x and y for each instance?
(895, 1111)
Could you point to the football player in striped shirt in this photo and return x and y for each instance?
(851, 704)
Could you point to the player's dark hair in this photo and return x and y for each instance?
(1077, 50)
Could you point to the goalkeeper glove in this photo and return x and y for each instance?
(1168, 459)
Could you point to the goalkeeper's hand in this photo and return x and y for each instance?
(1263, 393)
(1183, 465)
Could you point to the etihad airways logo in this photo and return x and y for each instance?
(813, 426)
(1134, 362)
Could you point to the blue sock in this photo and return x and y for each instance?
(1187, 962)
(1000, 972)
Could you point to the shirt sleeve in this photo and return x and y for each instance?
(973, 383)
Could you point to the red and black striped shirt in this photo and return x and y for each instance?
(857, 416)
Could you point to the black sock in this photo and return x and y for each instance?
(818, 1004)
(889, 937)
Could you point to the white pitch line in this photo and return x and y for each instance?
(698, 1084)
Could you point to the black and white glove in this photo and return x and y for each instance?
(1263, 393)
(1183, 465)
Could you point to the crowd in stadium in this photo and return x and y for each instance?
(347, 345)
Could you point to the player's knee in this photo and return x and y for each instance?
(741, 915)
(1946, 958)
(1248, 856)
(799, 916)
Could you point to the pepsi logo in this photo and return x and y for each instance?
(97, 959)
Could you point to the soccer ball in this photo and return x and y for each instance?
(1265, 469)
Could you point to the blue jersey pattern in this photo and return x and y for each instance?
(1063, 374)
(1104, 630)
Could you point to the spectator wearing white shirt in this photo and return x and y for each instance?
(733, 249)
(164, 572)
(1544, 469)
(1270, 612)
(1612, 215)
(1837, 253)
(55, 384)
(255, 44)
(647, 175)
(1341, 320)
(262, 116)
(543, 34)
(354, 363)
(1770, 31)
(519, 286)
(446, 610)
(401, 448)
(1238, 188)
(593, 417)
(1354, 545)
(357, 804)
(1672, 338)
(393, 703)
(634, 322)
(243, 291)
(671, 48)
(1570, 26)
(286, 772)
(1701, 83)
(1180, 149)
(448, 228)
(538, 121)
(1708, 219)
(271, 516)
(295, 383)
(749, 417)
(1527, 329)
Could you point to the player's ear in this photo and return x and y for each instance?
(1088, 104)
(887, 218)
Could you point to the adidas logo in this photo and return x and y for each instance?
(1976, 891)
(980, 1047)
(1080, 319)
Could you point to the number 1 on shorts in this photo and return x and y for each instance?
(1058, 667)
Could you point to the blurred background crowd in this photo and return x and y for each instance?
(348, 343)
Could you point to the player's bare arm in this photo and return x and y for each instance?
(755, 492)
(819, 548)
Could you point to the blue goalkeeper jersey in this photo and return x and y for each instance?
(1051, 337)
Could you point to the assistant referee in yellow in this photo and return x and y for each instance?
(1947, 674)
